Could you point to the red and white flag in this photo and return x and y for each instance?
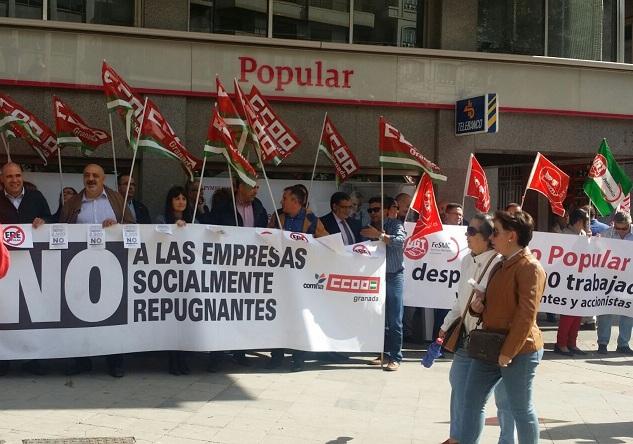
(336, 149)
(549, 180)
(477, 185)
(17, 121)
(264, 142)
(625, 205)
(423, 203)
(228, 112)
(123, 99)
(72, 130)
(286, 140)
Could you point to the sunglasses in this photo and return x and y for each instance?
(472, 231)
(373, 210)
(625, 228)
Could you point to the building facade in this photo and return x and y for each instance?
(560, 69)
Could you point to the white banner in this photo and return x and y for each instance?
(585, 275)
(199, 288)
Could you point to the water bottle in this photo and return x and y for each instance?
(434, 352)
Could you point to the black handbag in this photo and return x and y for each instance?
(485, 345)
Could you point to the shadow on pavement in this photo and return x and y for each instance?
(609, 363)
(604, 433)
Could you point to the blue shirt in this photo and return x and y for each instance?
(597, 227)
(611, 233)
(295, 224)
(395, 248)
(95, 211)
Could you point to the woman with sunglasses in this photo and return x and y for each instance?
(510, 304)
(477, 266)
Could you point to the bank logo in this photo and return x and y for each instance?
(469, 110)
(361, 249)
(416, 249)
(299, 237)
(353, 284)
(13, 236)
(318, 284)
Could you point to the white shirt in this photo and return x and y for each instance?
(472, 267)
(16, 201)
(95, 211)
(341, 225)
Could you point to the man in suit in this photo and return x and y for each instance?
(96, 204)
(339, 221)
(19, 205)
(137, 208)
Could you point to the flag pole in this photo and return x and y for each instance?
(237, 224)
(138, 137)
(195, 204)
(116, 173)
(61, 174)
(316, 158)
(270, 191)
(6, 147)
(538, 155)
(382, 198)
(406, 216)
(470, 165)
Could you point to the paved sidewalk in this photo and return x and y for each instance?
(579, 400)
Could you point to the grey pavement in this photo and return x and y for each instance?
(578, 400)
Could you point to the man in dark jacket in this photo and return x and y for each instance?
(21, 206)
(339, 221)
(249, 212)
(136, 207)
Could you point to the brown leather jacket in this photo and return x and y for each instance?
(513, 297)
(71, 209)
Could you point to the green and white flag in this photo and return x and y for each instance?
(607, 184)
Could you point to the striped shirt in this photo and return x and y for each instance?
(395, 249)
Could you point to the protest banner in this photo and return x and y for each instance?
(585, 275)
(199, 288)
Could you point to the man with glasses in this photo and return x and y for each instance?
(393, 235)
(621, 230)
(454, 214)
(339, 221)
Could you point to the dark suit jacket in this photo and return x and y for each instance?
(33, 205)
(142, 213)
(72, 207)
(223, 214)
(330, 224)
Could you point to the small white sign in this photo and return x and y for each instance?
(131, 236)
(18, 236)
(96, 237)
(164, 228)
(58, 239)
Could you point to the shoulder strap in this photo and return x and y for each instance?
(472, 293)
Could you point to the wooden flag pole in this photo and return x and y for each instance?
(116, 173)
(195, 204)
(316, 158)
(6, 147)
(138, 138)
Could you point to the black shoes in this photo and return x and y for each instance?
(116, 371)
(296, 366)
(577, 351)
(560, 351)
(625, 350)
(602, 349)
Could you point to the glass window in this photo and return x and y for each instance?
(236, 18)
(321, 20)
(512, 27)
(582, 29)
(31, 9)
(104, 12)
(390, 22)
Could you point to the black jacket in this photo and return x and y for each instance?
(223, 214)
(142, 213)
(33, 205)
(330, 224)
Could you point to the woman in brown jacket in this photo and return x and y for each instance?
(510, 305)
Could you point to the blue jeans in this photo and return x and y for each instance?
(457, 377)
(394, 309)
(518, 380)
(624, 329)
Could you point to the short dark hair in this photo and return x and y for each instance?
(402, 195)
(622, 217)
(512, 205)
(120, 178)
(299, 192)
(521, 223)
(578, 215)
(452, 206)
(337, 198)
(386, 202)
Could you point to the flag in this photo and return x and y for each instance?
(122, 99)
(219, 141)
(397, 152)
(287, 141)
(336, 149)
(607, 184)
(549, 180)
(228, 112)
(260, 136)
(72, 131)
(158, 135)
(18, 122)
(423, 203)
(477, 185)
(625, 205)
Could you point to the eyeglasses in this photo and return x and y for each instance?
(472, 231)
(373, 210)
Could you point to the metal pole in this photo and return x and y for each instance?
(6, 147)
(272, 198)
(61, 174)
(116, 174)
(138, 137)
(237, 224)
(195, 204)
(316, 158)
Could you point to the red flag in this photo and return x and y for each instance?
(17, 121)
(423, 203)
(625, 205)
(477, 185)
(72, 131)
(123, 99)
(228, 112)
(265, 144)
(550, 181)
(336, 149)
(287, 141)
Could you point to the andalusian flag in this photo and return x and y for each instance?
(11, 115)
(397, 152)
(228, 112)
(72, 131)
(607, 185)
(123, 99)
(219, 141)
